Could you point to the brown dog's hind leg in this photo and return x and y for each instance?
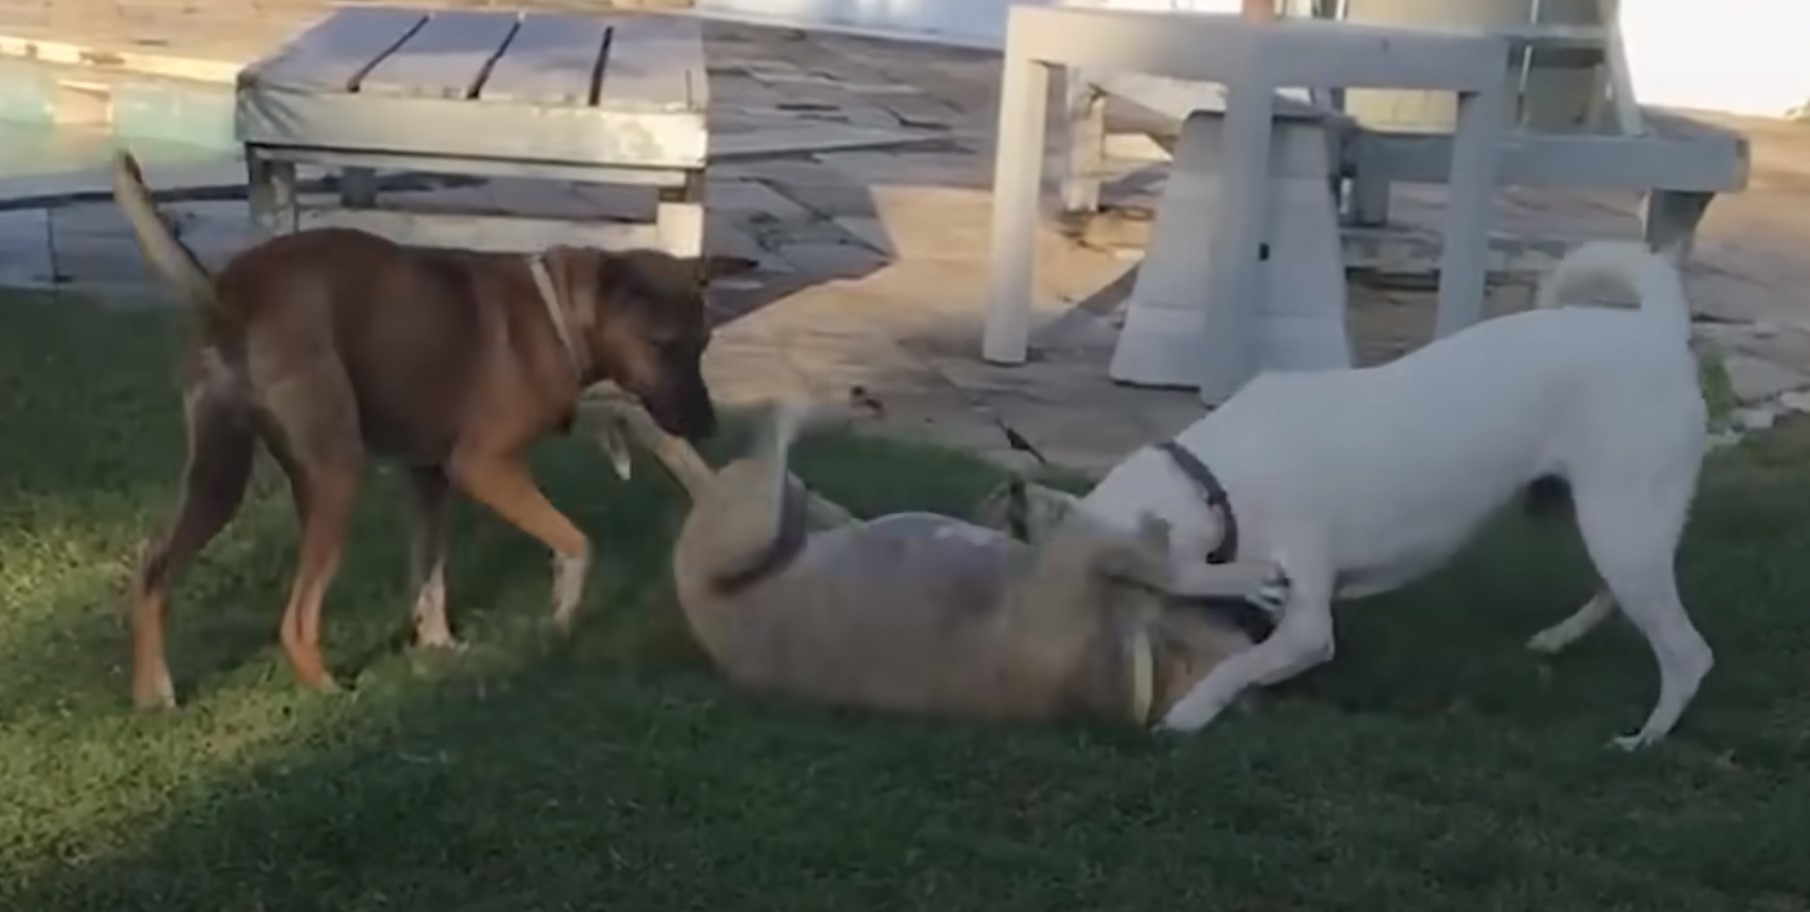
(504, 484)
(221, 445)
(427, 557)
(315, 436)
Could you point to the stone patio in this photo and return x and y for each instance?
(873, 260)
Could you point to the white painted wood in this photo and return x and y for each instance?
(1198, 46)
(1209, 48)
(654, 63)
(1621, 85)
(270, 193)
(491, 167)
(1670, 222)
(1701, 160)
(1017, 179)
(1469, 210)
(439, 126)
(1240, 225)
(1300, 322)
(334, 53)
(1084, 163)
(679, 220)
(445, 58)
(502, 234)
(553, 60)
(469, 93)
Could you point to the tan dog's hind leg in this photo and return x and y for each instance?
(221, 446)
(427, 557)
(1558, 637)
(504, 484)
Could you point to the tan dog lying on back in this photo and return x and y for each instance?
(915, 612)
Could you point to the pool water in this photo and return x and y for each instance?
(163, 121)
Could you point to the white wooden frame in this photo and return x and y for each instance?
(597, 99)
(1252, 59)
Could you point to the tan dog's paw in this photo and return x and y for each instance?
(1143, 558)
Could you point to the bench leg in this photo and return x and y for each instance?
(1470, 205)
(358, 188)
(680, 221)
(1671, 222)
(1369, 199)
(270, 187)
(1085, 156)
(1237, 286)
(1017, 179)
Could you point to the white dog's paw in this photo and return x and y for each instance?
(1184, 718)
(1551, 641)
(1273, 593)
(1631, 743)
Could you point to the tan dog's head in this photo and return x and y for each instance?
(1024, 509)
(641, 321)
(1183, 641)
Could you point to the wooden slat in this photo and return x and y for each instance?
(664, 140)
(1704, 163)
(553, 60)
(492, 233)
(332, 55)
(654, 62)
(445, 58)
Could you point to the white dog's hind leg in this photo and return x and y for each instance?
(1556, 638)
(1631, 531)
(1303, 639)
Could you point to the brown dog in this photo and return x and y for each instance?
(332, 345)
(915, 612)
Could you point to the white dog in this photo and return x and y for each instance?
(1355, 482)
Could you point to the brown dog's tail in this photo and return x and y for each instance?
(165, 252)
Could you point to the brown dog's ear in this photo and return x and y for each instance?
(719, 267)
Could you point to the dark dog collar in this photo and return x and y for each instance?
(1227, 549)
(781, 552)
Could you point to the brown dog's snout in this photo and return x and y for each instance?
(683, 410)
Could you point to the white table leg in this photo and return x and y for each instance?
(1671, 218)
(679, 220)
(1470, 201)
(1017, 177)
(1085, 156)
(1239, 230)
(270, 187)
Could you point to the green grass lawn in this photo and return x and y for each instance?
(1435, 765)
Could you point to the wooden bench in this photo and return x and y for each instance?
(596, 99)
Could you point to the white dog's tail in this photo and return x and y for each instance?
(1640, 270)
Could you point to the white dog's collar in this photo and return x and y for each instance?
(1215, 494)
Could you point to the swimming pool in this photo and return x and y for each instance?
(165, 121)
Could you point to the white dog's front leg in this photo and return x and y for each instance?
(1303, 639)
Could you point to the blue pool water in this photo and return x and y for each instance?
(162, 120)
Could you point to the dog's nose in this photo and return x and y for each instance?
(703, 424)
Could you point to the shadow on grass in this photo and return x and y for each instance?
(1433, 764)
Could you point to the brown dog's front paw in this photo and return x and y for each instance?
(153, 692)
(568, 587)
(324, 684)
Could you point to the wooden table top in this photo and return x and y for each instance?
(628, 63)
